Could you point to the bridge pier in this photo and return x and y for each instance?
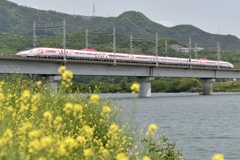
(207, 85)
(145, 86)
(51, 81)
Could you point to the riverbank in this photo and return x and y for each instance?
(230, 86)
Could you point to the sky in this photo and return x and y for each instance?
(212, 16)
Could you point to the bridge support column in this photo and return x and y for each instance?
(207, 86)
(145, 86)
(51, 81)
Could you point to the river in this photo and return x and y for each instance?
(200, 125)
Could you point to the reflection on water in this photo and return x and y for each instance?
(200, 125)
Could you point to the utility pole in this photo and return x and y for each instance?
(63, 27)
(34, 34)
(114, 45)
(195, 50)
(93, 9)
(190, 50)
(86, 38)
(131, 44)
(166, 47)
(143, 39)
(64, 41)
(218, 53)
(156, 49)
(103, 34)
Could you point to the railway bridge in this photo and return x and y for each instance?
(145, 73)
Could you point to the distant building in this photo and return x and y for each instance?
(178, 47)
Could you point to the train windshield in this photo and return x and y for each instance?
(27, 49)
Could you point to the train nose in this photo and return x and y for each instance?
(18, 53)
(22, 54)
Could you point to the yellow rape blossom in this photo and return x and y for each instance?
(8, 134)
(87, 131)
(68, 108)
(135, 88)
(10, 109)
(24, 107)
(146, 158)
(94, 98)
(34, 146)
(34, 134)
(88, 153)
(105, 153)
(35, 98)
(39, 84)
(47, 116)
(106, 109)
(25, 126)
(1, 83)
(121, 156)
(61, 69)
(70, 143)
(62, 149)
(113, 129)
(26, 95)
(152, 129)
(46, 141)
(2, 97)
(58, 120)
(78, 109)
(67, 75)
(218, 157)
(81, 140)
(2, 142)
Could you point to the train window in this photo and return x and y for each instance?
(35, 50)
(28, 49)
(143, 57)
(210, 62)
(120, 56)
(53, 51)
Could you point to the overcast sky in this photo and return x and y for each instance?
(213, 16)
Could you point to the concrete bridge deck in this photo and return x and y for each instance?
(144, 72)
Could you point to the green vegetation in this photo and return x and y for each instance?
(122, 84)
(19, 20)
(176, 85)
(231, 86)
(38, 124)
(10, 44)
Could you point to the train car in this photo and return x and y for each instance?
(34, 52)
(81, 54)
(40, 52)
(90, 54)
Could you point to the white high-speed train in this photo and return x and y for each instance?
(91, 54)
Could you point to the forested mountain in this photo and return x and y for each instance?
(17, 19)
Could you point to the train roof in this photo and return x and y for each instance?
(89, 49)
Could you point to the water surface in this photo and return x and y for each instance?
(200, 125)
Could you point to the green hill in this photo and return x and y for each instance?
(19, 20)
